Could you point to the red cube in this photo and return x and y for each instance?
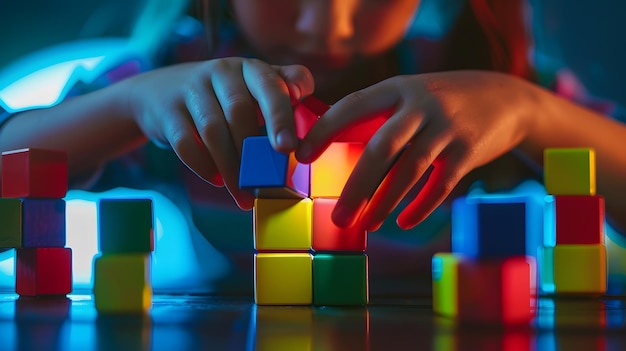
(579, 219)
(497, 291)
(326, 236)
(43, 271)
(35, 173)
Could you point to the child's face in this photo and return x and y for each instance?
(324, 35)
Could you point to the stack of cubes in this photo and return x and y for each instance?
(122, 269)
(574, 249)
(32, 220)
(490, 275)
(301, 257)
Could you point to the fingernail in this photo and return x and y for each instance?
(217, 180)
(372, 227)
(286, 140)
(341, 216)
(294, 92)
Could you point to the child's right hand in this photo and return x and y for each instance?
(204, 110)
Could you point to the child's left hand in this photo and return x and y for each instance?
(454, 121)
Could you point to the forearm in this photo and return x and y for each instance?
(92, 129)
(557, 122)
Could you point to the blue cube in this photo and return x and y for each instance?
(267, 173)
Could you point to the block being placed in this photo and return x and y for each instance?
(445, 283)
(282, 224)
(330, 172)
(125, 226)
(580, 269)
(497, 291)
(306, 113)
(283, 279)
(268, 173)
(497, 226)
(122, 283)
(10, 223)
(340, 279)
(570, 171)
(34, 173)
(43, 271)
(329, 237)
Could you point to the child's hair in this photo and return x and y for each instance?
(489, 34)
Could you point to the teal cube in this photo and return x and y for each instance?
(10, 223)
(125, 226)
(340, 279)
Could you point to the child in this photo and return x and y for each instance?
(464, 103)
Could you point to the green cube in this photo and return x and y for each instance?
(445, 283)
(125, 226)
(340, 279)
(10, 223)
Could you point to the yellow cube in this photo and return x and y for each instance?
(283, 279)
(330, 172)
(445, 283)
(282, 224)
(570, 171)
(122, 283)
(580, 269)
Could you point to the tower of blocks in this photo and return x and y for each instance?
(32, 220)
(301, 257)
(491, 274)
(122, 269)
(574, 252)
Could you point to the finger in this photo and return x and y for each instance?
(182, 136)
(411, 168)
(447, 172)
(272, 94)
(358, 107)
(214, 133)
(374, 163)
(238, 106)
(299, 81)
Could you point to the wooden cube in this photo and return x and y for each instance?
(282, 224)
(43, 223)
(125, 226)
(306, 113)
(10, 223)
(43, 271)
(268, 173)
(122, 283)
(329, 237)
(570, 171)
(445, 283)
(579, 219)
(35, 173)
(330, 172)
(490, 227)
(283, 279)
(340, 279)
(580, 269)
(497, 291)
